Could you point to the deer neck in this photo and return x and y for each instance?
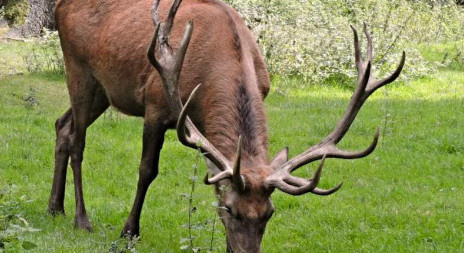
(234, 112)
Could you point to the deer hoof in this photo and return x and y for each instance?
(55, 211)
(83, 223)
(130, 231)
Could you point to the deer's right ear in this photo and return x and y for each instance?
(280, 158)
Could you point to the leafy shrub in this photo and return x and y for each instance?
(16, 11)
(12, 225)
(312, 39)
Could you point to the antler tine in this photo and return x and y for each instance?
(323, 192)
(180, 55)
(369, 42)
(154, 13)
(344, 154)
(221, 176)
(184, 138)
(298, 186)
(236, 176)
(300, 182)
(378, 84)
(357, 50)
(169, 63)
(327, 148)
(172, 14)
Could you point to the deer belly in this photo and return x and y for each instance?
(124, 98)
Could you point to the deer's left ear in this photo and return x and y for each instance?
(280, 158)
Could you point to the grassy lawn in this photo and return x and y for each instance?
(408, 196)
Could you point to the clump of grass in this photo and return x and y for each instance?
(124, 245)
(30, 99)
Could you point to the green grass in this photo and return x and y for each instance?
(408, 196)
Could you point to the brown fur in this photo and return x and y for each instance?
(104, 44)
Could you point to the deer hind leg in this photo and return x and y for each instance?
(153, 138)
(62, 128)
(88, 102)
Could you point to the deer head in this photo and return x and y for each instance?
(245, 186)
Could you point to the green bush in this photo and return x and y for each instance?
(16, 11)
(13, 226)
(312, 39)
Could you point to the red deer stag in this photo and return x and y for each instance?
(104, 45)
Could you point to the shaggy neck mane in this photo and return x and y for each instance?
(238, 112)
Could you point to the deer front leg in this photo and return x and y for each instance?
(153, 138)
(83, 116)
(76, 152)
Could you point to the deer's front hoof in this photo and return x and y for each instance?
(130, 230)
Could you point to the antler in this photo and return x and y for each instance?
(366, 85)
(169, 67)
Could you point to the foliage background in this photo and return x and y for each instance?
(313, 39)
(26, 18)
(16, 11)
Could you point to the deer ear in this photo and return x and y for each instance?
(280, 158)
